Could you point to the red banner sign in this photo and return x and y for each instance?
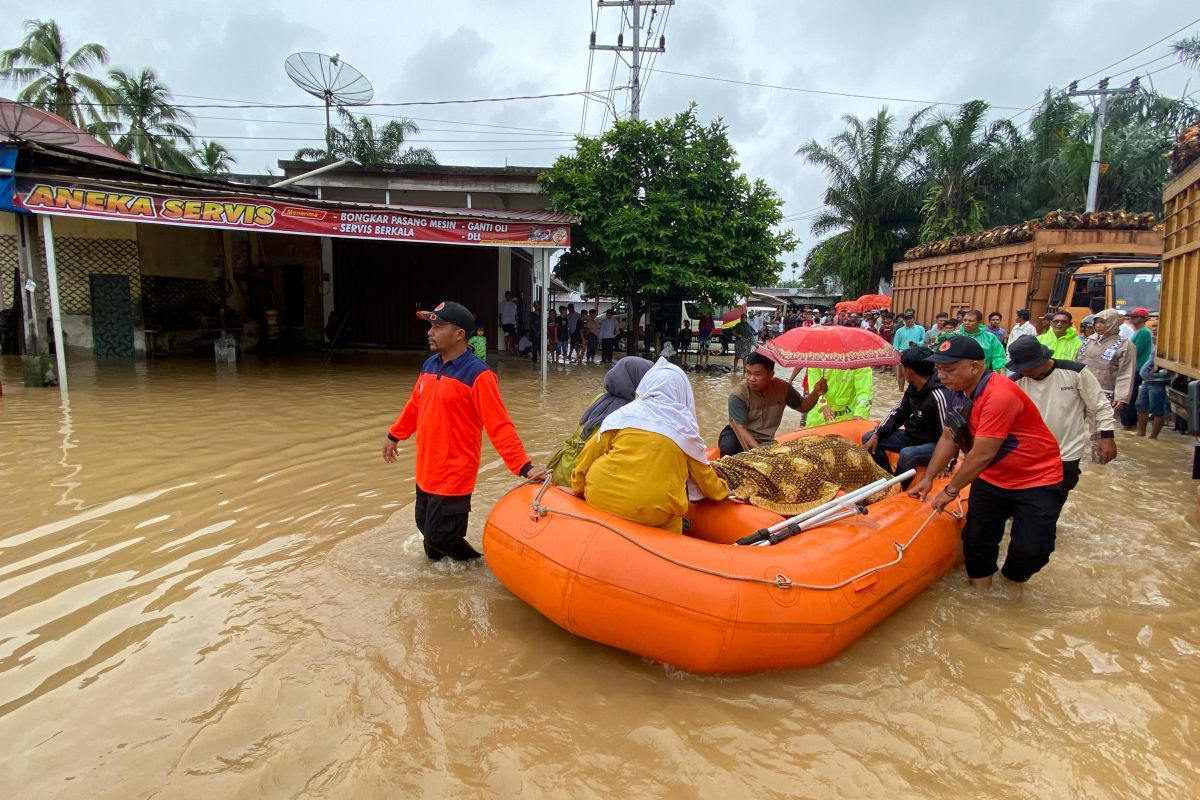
(272, 216)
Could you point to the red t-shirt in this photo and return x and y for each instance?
(1029, 455)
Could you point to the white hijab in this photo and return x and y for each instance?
(664, 405)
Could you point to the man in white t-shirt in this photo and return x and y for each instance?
(508, 321)
(609, 327)
(1023, 328)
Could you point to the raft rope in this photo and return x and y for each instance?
(780, 580)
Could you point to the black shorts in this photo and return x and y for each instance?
(509, 328)
(442, 521)
(576, 338)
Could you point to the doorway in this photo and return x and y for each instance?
(112, 316)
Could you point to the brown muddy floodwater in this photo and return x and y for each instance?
(211, 586)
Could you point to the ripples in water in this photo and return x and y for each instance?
(211, 584)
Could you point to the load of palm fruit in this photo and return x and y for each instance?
(1186, 149)
(1055, 220)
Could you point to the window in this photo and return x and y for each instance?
(1134, 288)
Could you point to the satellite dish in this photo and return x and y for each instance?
(332, 80)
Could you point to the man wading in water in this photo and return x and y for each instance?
(454, 398)
(1012, 464)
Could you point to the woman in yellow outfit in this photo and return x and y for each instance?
(848, 396)
(648, 458)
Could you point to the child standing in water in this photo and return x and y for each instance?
(478, 343)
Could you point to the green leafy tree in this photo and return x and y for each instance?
(873, 201)
(359, 139)
(960, 152)
(665, 211)
(152, 131)
(212, 158)
(56, 79)
(1139, 130)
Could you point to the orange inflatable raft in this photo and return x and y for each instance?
(701, 603)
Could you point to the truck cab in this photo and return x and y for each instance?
(1088, 285)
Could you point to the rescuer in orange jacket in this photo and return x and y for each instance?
(454, 398)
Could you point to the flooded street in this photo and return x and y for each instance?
(211, 586)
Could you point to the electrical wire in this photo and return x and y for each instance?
(476, 100)
(587, 100)
(1139, 52)
(821, 91)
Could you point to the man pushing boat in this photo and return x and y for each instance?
(454, 398)
(1012, 464)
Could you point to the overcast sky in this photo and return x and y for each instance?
(925, 50)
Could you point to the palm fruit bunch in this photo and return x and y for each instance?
(1100, 220)
(992, 237)
(1055, 220)
(1186, 149)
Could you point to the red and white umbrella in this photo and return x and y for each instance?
(830, 347)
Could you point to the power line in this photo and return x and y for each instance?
(510, 98)
(1139, 52)
(255, 103)
(587, 101)
(412, 140)
(820, 91)
(97, 146)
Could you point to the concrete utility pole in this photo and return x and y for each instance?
(1102, 91)
(635, 66)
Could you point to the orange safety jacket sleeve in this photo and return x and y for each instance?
(406, 424)
(500, 429)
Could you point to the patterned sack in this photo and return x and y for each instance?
(792, 477)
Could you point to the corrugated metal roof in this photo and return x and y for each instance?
(151, 180)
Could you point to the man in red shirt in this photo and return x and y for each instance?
(454, 398)
(1012, 463)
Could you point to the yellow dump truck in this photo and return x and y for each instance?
(1081, 270)
(1178, 345)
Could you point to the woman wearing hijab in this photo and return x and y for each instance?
(1110, 357)
(647, 457)
(620, 387)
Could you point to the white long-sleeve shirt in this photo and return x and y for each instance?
(1019, 330)
(1073, 406)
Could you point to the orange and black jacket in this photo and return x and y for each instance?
(450, 405)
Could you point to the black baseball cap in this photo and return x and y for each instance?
(957, 348)
(909, 313)
(452, 313)
(1026, 353)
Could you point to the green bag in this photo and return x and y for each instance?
(562, 463)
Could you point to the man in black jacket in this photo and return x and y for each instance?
(913, 427)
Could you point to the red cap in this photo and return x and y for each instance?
(1139, 312)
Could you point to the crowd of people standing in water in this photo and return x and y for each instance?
(1015, 410)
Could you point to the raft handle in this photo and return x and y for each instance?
(538, 510)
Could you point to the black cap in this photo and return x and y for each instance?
(957, 348)
(1026, 353)
(910, 356)
(909, 313)
(452, 313)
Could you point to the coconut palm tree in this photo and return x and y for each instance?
(56, 79)
(358, 139)
(153, 132)
(212, 158)
(959, 152)
(873, 199)
(1188, 50)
